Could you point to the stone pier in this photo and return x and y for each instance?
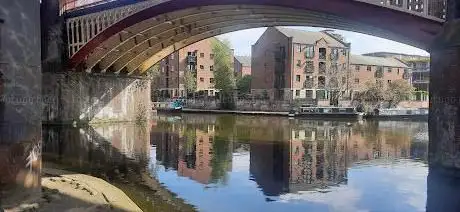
(20, 102)
(81, 98)
(444, 120)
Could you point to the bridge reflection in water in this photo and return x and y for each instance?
(233, 163)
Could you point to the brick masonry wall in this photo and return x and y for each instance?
(84, 98)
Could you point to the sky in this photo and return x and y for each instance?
(360, 43)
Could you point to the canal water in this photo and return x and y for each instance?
(243, 163)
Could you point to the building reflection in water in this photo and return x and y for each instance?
(286, 156)
(193, 152)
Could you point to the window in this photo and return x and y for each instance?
(309, 51)
(297, 92)
(172, 68)
(309, 94)
(398, 71)
(211, 68)
(356, 81)
(201, 79)
(201, 66)
(298, 47)
(171, 57)
(369, 68)
(211, 80)
(299, 63)
(344, 80)
(322, 53)
(389, 81)
(389, 70)
(201, 55)
(357, 67)
(211, 56)
(297, 78)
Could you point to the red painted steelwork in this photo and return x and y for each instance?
(416, 28)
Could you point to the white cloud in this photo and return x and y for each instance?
(341, 199)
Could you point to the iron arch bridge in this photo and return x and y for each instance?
(128, 37)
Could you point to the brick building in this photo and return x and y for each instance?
(294, 64)
(198, 58)
(419, 68)
(367, 68)
(242, 66)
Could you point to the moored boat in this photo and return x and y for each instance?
(400, 113)
(328, 112)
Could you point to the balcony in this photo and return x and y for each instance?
(406, 75)
(322, 68)
(191, 59)
(321, 82)
(309, 84)
(309, 68)
(421, 70)
(379, 72)
(333, 69)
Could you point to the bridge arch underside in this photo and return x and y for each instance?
(126, 48)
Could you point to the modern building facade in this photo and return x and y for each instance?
(242, 66)
(294, 64)
(370, 69)
(197, 58)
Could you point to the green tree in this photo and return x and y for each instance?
(153, 72)
(243, 84)
(373, 94)
(223, 72)
(189, 79)
(398, 91)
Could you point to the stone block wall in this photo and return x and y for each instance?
(83, 98)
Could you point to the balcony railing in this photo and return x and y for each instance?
(309, 68)
(321, 85)
(309, 84)
(191, 59)
(322, 68)
(322, 56)
(334, 57)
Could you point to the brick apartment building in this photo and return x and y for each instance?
(419, 67)
(242, 66)
(294, 64)
(197, 57)
(367, 68)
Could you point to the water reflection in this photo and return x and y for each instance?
(241, 163)
(288, 160)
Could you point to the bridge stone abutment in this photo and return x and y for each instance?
(20, 102)
(81, 98)
(444, 120)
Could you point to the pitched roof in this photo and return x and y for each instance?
(376, 61)
(245, 60)
(307, 37)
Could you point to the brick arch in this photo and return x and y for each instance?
(341, 14)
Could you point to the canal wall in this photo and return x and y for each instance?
(270, 106)
(81, 98)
